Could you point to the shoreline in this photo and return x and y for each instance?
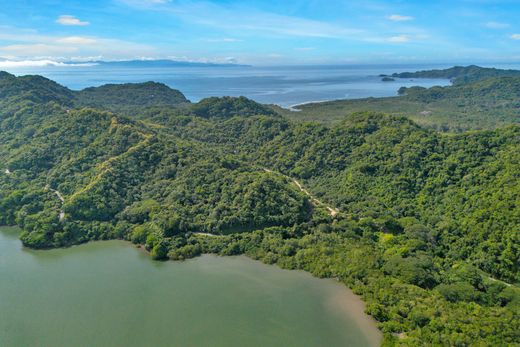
(353, 305)
(295, 107)
(343, 300)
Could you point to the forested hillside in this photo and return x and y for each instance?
(479, 100)
(461, 74)
(129, 97)
(423, 225)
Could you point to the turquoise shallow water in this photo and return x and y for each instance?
(111, 294)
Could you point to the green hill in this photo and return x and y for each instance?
(129, 96)
(461, 74)
(227, 107)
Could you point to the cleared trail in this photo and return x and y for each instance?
(62, 199)
(317, 202)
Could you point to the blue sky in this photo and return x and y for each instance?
(262, 31)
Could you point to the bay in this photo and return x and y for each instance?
(281, 85)
(109, 293)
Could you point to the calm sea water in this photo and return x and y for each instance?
(111, 294)
(283, 86)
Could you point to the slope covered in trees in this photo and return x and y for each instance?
(129, 96)
(126, 98)
(483, 101)
(427, 229)
(461, 74)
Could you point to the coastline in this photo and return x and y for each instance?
(342, 299)
(294, 108)
(354, 306)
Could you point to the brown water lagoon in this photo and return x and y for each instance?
(111, 294)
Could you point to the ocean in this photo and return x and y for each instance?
(281, 85)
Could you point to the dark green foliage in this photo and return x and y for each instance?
(418, 270)
(227, 107)
(129, 97)
(461, 291)
(505, 88)
(378, 166)
(31, 89)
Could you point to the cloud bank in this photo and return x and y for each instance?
(39, 63)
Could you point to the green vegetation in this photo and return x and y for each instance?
(129, 97)
(427, 228)
(461, 74)
(227, 107)
(479, 100)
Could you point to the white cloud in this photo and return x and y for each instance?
(213, 60)
(36, 63)
(11, 34)
(515, 36)
(37, 49)
(20, 44)
(273, 24)
(231, 60)
(399, 39)
(399, 18)
(497, 25)
(70, 20)
(109, 48)
(76, 40)
(84, 58)
(246, 20)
